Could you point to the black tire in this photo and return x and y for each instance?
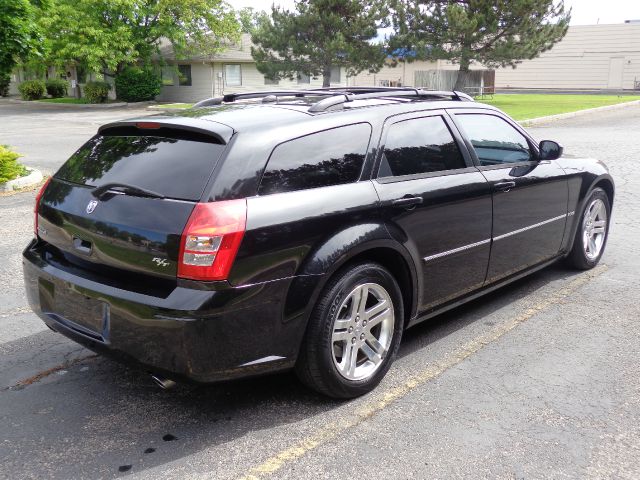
(578, 257)
(316, 366)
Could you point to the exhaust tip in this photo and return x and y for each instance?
(163, 383)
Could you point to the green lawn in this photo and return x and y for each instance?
(526, 107)
(64, 100)
(176, 105)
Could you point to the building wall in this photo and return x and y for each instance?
(582, 60)
(207, 80)
(402, 74)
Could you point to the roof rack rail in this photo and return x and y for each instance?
(346, 95)
(232, 97)
(336, 95)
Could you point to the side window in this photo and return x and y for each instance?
(494, 140)
(330, 157)
(420, 145)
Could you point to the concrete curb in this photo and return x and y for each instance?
(34, 177)
(561, 116)
(82, 106)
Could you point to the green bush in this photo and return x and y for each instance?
(5, 80)
(97, 92)
(9, 166)
(137, 85)
(32, 89)
(56, 88)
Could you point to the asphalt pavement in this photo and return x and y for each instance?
(537, 380)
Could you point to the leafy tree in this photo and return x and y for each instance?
(318, 35)
(249, 18)
(19, 32)
(496, 33)
(108, 35)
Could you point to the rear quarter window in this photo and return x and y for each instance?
(173, 166)
(330, 157)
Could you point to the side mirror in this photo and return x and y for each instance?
(550, 150)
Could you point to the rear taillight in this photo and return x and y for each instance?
(37, 206)
(211, 239)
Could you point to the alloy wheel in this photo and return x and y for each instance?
(362, 331)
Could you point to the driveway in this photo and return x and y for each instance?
(537, 380)
(48, 134)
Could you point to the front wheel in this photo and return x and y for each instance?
(592, 232)
(353, 333)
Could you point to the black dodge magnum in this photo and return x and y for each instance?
(304, 230)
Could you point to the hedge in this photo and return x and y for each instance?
(137, 84)
(32, 89)
(97, 92)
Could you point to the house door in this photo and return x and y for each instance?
(615, 72)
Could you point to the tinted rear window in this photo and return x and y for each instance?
(330, 157)
(175, 167)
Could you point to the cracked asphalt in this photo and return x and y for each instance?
(537, 380)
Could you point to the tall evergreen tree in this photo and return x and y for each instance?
(319, 35)
(496, 33)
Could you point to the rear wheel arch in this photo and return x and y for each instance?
(305, 290)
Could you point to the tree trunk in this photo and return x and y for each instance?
(463, 73)
(326, 75)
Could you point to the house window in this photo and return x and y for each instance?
(232, 75)
(335, 74)
(303, 78)
(167, 75)
(184, 75)
(271, 81)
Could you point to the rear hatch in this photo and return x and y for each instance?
(120, 203)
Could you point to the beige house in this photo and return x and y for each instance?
(589, 57)
(231, 71)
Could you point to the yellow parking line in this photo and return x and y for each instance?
(385, 398)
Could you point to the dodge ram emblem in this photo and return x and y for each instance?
(91, 206)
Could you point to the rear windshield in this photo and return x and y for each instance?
(172, 166)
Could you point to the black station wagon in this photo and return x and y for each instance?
(305, 230)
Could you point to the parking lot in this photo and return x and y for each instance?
(537, 380)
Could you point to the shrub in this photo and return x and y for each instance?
(32, 89)
(9, 166)
(97, 92)
(5, 80)
(137, 85)
(56, 88)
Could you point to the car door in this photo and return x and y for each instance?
(529, 196)
(435, 202)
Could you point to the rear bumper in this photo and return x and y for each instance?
(197, 334)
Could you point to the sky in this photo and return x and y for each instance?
(585, 12)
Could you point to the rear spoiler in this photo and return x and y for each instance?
(217, 131)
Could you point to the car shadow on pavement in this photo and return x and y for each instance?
(98, 418)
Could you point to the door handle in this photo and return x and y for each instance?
(407, 202)
(504, 186)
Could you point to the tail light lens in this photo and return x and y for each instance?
(211, 239)
(37, 205)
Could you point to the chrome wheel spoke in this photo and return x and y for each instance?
(375, 345)
(342, 324)
(349, 359)
(376, 309)
(371, 354)
(343, 336)
(362, 301)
